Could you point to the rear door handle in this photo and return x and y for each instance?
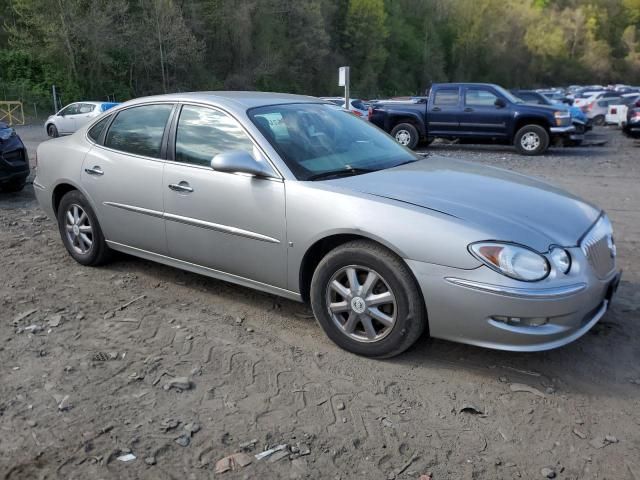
(181, 187)
(96, 170)
(468, 109)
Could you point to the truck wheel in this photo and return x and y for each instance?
(406, 135)
(531, 140)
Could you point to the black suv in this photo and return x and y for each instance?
(14, 162)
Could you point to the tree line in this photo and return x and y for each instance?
(98, 49)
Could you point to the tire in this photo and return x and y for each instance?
(598, 120)
(74, 203)
(406, 135)
(405, 308)
(13, 186)
(52, 131)
(531, 140)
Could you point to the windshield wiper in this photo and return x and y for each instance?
(339, 173)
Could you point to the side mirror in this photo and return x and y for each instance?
(240, 161)
(500, 103)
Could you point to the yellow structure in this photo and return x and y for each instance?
(11, 113)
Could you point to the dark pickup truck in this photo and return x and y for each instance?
(474, 113)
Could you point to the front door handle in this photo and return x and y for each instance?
(435, 109)
(96, 170)
(181, 187)
(468, 109)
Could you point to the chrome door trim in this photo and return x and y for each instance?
(533, 293)
(219, 228)
(195, 222)
(209, 272)
(131, 208)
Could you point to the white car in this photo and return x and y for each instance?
(617, 113)
(74, 116)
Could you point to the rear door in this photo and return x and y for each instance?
(481, 117)
(122, 175)
(442, 112)
(86, 111)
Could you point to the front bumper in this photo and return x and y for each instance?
(567, 130)
(466, 305)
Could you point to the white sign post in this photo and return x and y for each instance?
(343, 81)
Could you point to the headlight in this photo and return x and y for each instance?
(6, 133)
(562, 118)
(561, 259)
(511, 260)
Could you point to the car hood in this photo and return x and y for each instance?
(508, 206)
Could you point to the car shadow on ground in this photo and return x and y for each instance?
(568, 369)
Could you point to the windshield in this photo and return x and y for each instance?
(507, 94)
(320, 141)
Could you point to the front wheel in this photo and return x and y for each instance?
(531, 140)
(367, 301)
(598, 120)
(406, 135)
(52, 131)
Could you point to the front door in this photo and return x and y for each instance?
(65, 123)
(481, 117)
(228, 222)
(123, 178)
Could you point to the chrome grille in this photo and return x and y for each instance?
(599, 248)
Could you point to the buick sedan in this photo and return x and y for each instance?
(296, 197)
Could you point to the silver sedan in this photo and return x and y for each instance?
(293, 196)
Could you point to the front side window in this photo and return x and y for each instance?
(70, 110)
(480, 98)
(446, 97)
(320, 141)
(95, 131)
(203, 133)
(139, 130)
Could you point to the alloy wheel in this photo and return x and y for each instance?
(79, 230)
(530, 141)
(403, 137)
(361, 303)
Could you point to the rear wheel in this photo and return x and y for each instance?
(531, 140)
(52, 131)
(367, 301)
(406, 135)
(80, 230)
(598, 120)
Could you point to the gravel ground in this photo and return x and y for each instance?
(92, 381)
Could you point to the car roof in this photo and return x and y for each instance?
(238, 100)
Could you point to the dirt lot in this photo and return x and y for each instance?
(76, 396)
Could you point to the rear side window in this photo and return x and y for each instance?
(96, 131)
(203, 133)
(86, 108)
(139, 130)
(446, 97)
